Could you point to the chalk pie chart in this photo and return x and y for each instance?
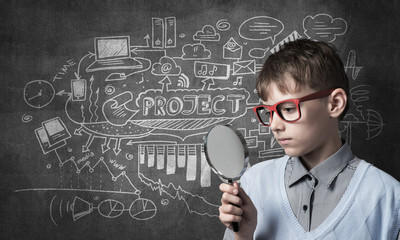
(111, 208)
(142, 209)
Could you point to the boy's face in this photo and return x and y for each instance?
(312, 135)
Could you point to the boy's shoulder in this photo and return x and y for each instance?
(379, 177)
(266, 168)
(269, 171)
(370, 182)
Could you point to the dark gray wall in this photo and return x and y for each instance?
(115, 152)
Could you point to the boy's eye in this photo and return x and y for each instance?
(289, 110)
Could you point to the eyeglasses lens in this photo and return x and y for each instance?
(288, 111)
(264, 115)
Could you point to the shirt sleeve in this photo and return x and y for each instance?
(229, 235)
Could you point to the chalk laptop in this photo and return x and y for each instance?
(113, 53)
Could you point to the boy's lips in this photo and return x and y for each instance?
(284, 141)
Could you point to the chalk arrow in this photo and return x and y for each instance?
(207, 83)
(105, 146)
(77, 75)
(63, 92)
(165, 82)
(147, 38)
(117, 148)
(78, 131)
(85, 148)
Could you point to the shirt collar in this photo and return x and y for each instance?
(326, 171)
(298, 171)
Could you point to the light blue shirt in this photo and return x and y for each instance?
(369, 208)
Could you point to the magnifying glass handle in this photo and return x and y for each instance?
(235, 225)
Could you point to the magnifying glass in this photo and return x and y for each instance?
(227, 154)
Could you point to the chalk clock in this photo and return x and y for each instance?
(38, 93)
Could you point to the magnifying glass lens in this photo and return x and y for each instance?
(226, 152)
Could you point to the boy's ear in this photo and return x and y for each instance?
(337, 102)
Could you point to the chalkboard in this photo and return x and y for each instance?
(105, 105)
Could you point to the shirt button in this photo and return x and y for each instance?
(305, 207)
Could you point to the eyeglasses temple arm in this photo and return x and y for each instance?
(316, 95)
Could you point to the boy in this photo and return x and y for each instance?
(319, 190)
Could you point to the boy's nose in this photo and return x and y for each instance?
(277, 123)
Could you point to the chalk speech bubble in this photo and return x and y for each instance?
(261, 28)
(323, 27)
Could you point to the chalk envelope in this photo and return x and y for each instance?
(244, 67)
(232, 50)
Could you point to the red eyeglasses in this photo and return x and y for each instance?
(287, 110)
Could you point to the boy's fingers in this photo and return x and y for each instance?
(227, 188)
(230, 194)
(227, 218)
(231, 199)
(231, 209)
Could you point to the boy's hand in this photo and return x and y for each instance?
(236, 206)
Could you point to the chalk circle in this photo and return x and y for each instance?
(223, 25)
(111, 208)
(109, 89)
(142, 209)
(129, 156)
(164, 202)
(26, 118)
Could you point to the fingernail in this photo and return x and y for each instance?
(235, 191)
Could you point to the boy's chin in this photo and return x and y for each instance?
(291, 152)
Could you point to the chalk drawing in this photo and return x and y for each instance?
(133, 117)
(324, 27)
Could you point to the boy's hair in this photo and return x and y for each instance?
(310, 63)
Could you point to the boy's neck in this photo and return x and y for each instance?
(321, 154)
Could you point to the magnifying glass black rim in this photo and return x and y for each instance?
(246, 153)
